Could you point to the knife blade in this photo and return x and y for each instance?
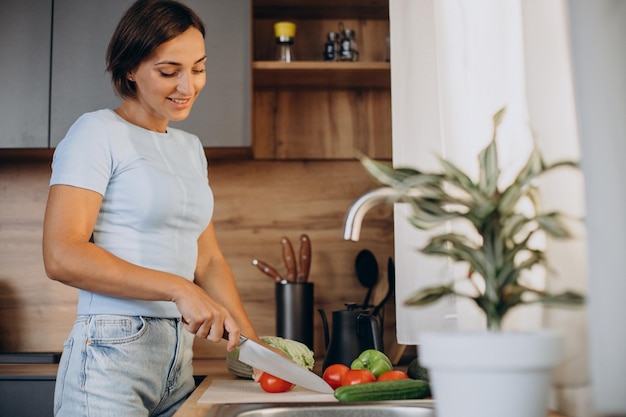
(257, 356)
(305, 258)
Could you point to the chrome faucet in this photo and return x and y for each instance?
(356, 212)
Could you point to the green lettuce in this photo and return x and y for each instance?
(296, 351)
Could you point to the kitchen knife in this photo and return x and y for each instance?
(268, 270)
(259, 357)
(289, 258)
(305, 258)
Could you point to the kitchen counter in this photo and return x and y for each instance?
(213, 368)
(191, 407)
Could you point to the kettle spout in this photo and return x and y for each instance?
(356, 212)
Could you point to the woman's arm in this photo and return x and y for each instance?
(70, 258)
(214, 275)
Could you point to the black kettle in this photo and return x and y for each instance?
(353, 331)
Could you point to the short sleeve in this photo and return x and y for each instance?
(84, 158)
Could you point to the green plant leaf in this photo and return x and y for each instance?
(385, 174)
(461, 180)
(426, 216)
(498, 117)
(429, 295)
(566, 298)
(489, 170)
(514, 225)
(551, 223)
(458, 248)
(563, 299)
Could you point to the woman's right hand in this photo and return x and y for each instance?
(205, 317)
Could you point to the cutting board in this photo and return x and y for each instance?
(248, 391)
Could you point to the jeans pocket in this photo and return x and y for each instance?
(113, 329)
(61, 373)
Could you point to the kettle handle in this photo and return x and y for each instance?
(374, 325)
(325, 325)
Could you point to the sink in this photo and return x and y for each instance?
(378, 409)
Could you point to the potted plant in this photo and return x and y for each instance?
(497, 253)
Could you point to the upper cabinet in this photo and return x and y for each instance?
(315, 109)
(25, 68)
(54, 70)
(80, 83)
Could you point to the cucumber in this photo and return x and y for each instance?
(417, 371)
(401, 389)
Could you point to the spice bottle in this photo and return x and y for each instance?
(285, 33)
(331, 47)
(348, 46)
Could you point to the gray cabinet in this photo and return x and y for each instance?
(221, 115)
(80, 83)
(27, 395)
(25, 68)
(82, 29)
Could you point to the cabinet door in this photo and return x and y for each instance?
(80, 82)
(25, 69)
(221, 115)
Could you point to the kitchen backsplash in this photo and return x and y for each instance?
(257, 203)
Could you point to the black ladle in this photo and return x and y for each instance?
(367, 272)
(391, 281)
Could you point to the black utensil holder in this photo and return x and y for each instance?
(294, 312)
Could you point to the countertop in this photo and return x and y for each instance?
(213, 368)
(216, 369)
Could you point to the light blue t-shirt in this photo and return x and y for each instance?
(156, 199)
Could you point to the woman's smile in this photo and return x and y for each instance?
(168, 82)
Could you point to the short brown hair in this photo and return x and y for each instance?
(145, 25)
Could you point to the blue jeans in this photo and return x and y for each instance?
(115, 366)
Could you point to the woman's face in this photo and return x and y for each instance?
(169, 80)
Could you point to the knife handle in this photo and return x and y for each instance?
(305, 258)
(267, 270)
(289, 258)
(226, 336)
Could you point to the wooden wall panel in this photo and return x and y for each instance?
(257, 202)
(337, 124)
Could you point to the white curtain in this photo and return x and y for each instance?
(454, 64)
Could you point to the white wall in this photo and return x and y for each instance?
(598, 35)
(454, 63)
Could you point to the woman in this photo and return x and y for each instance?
(128, 223)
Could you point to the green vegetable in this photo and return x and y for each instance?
(374, 361)
(417, 371)
(296, 351)
(400, 389)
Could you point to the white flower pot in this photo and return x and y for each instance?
(487, 374)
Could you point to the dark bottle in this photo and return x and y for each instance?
(331, 47)
(348, 47)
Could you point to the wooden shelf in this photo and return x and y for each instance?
(321, 74)
(321, 9)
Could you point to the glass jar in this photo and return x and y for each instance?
(285, 33)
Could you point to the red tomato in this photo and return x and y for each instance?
(272, 384)
(391, 375)
(334, 374)
(357, 376)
